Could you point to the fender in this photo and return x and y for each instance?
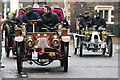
(19, 39)
(65, 38)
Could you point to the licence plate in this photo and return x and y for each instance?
(35, 56)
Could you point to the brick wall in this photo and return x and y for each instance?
(56, 4)
(80, 7)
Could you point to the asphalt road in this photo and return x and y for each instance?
(91, 65)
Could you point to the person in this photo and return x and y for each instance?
(98, 22)
(11, 20)
(78, 27)
(1, 28)
(86, 20)
(78, 21)
(65, 23)
(29, 16)
(50, 19)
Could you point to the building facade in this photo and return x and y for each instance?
(109, 10)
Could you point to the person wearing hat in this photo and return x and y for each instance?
(30, 15)
(86, 20)
(98, 22)
(50, 19)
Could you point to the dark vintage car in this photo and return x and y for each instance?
(93, 40)
(42, 47)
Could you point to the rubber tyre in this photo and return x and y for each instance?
(19, 57)
(110, 48)
(66, 49)
(81, 47)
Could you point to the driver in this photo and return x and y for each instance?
(85, 20)
(29, 14)
(98, 22)
(50, 19)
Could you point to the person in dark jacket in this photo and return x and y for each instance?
(50, 19)
(86, 20)
(31, 15)
(65, 23)
(98, 22)
(11, 20)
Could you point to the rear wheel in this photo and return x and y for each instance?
(81, 47)
(19, 57)
(66, 50)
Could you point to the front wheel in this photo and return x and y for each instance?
(65, 62)
(81, 47)
(110, 48)
(19, 57)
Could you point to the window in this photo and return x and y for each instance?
(20, 5)
(107, 12)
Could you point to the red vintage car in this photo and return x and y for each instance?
(42, 47)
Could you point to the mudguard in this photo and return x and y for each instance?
(65, 38)
(19, 39)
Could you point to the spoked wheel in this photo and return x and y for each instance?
(7, 47)
(110, 48)
(81, 47)
(65, 51)
(19, 57)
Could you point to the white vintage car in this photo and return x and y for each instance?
(94, 41)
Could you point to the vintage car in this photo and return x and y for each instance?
(93, 40)
(42, 47)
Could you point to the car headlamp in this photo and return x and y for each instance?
(29, 42)
(55, 42)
